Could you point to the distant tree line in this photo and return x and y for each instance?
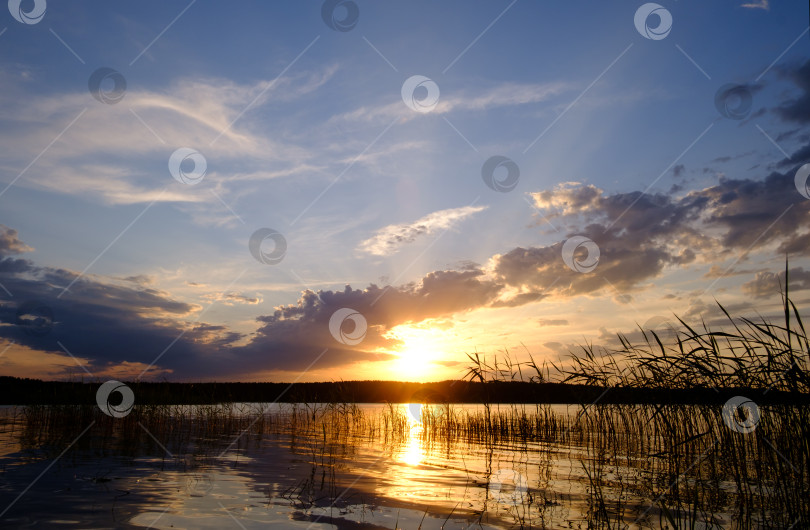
(17, 391)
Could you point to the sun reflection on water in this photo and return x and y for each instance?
(413, 452)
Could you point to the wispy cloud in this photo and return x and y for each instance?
(231, 298)
(389, 239)
(113, 152)
(761, 4)
(506, 94)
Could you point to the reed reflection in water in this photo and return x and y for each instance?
(381, 466)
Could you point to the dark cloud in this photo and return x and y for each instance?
(799, 157)
(755, 213)
(112, 323)
(797, 110)
(766, 284)
(678, 170)
(639, 237)
(726, 158)
(304, 327)
(793, 133)
(105, 322)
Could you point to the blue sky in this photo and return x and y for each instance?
(304, 130)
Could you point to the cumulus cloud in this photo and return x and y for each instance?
(112, 324)
(389, 239)
(106, 322)
(10, 243)
(636, 245)
(767, 284)
(736, 213)
(297, 333)
(639, 236)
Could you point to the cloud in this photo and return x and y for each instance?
(797, 109)
(296, 334)
(504, 95)
(767, 284)
(115, 324)
(740, 213)
(760, 4)
(716, 271)
(640, 236)
(232, 298)
(552, 322)
(119, 153)
(9, 242)
(106, 322)
(389, 239)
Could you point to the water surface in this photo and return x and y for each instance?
(320, 466)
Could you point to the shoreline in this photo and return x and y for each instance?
(15, 391)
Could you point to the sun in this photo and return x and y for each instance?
(419, 352)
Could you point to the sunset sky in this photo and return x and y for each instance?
(674, 154)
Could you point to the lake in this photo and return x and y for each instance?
(395, 466)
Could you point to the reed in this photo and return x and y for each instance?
(641, 465)
(746, 353)
(688, 466)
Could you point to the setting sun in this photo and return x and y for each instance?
(422, 348)
(407, 264)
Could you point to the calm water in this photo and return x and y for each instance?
(307, 467)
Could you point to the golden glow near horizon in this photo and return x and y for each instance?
(421, 348)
